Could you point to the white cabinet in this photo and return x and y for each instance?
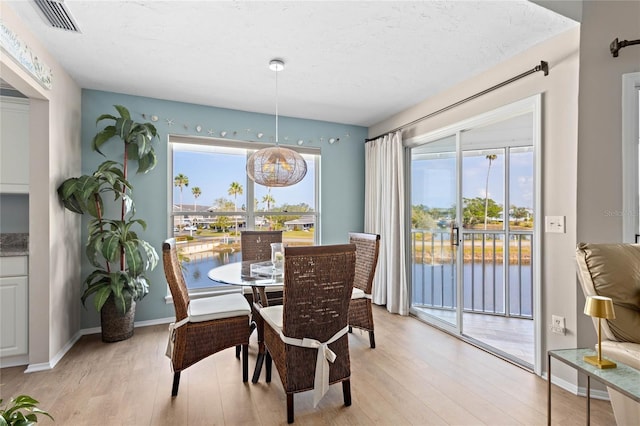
(14, 290)
(14, 145)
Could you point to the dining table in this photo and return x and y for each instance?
(259, 275)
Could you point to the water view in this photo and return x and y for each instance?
(433, 286)
(195, 271)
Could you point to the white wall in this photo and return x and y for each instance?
(559, 150)
(54, 246)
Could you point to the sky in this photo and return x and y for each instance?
(213, 173)
(432, 184)
(433, 181)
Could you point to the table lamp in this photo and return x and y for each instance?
(599, 307)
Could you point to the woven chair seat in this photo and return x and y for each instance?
(224, 306)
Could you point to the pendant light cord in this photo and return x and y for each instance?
(277, 106)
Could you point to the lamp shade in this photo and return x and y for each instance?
(276, 166)
(599, 307)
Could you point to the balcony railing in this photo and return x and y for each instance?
(486, 287)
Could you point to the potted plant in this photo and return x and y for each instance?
(113, 247)
(13, 415)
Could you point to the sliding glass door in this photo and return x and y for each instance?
(434, 240)
(473, 230)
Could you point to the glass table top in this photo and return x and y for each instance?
(623, 378)
(247, 273)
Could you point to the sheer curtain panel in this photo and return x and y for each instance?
(384, 202)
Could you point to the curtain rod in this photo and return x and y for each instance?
(616, 45)
(544, 66)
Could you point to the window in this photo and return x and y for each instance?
(213, 200)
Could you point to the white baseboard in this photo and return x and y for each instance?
(32, 368)
(578, 390)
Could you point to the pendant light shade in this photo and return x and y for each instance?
(276, 166)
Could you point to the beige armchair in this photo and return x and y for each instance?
(613, 270)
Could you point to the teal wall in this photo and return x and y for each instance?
(341, 171)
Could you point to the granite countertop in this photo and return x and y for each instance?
(14, 244)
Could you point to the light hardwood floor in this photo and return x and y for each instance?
(416, 375)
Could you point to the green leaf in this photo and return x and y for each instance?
(102, 294)
(101, 137)
(133, 259)
(105, 117)
(147, 162)
(124, 113)
(110, 248)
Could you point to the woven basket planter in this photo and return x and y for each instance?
(115, 325)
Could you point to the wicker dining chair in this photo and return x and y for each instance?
(256, 246)
(360, 312)
(318, 282)
(203, 326)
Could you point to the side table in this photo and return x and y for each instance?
(623, 378)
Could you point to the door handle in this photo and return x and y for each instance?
(454, 234)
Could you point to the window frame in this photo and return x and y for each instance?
(630, 161)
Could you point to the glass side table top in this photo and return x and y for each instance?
(242, 273)
(623, 378)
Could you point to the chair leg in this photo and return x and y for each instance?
(176, 383)
(372, 339)
(268, 366)
(245, 363)
(346, 392)
(258, 369)
(238, 347)
(289, 407)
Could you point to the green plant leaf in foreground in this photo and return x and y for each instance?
(12, 414)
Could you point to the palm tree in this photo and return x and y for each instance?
(235, 189)
(181, 181)
(196, 193)
(268, 200)
(491, 158)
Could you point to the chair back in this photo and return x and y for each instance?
(256, 245)
(318, 282)
(367, 249)
(173, 273)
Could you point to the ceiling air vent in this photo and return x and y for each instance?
(57, 14)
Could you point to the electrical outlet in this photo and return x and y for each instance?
(558, 324)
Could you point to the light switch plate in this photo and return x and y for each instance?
(554, 224)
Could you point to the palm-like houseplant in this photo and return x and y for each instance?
(120, 257)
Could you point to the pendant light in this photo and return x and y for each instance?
(276, 166)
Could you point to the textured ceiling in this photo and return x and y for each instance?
(350, 62)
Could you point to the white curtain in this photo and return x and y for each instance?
(384, 214)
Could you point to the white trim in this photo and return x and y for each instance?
(577, 390)
(630, 189)
(32, 368)
(538, 208)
